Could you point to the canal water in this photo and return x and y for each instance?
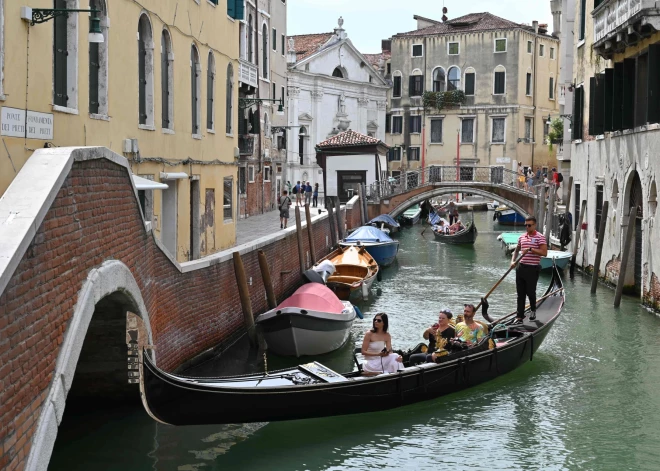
(590, 400)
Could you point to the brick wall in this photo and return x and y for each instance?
(95, 217)
(253, 200)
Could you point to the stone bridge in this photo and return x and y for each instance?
(496, 183)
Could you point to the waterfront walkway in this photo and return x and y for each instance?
(265, 224)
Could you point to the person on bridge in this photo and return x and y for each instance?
(527, 273)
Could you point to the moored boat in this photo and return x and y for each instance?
(554, 258)
(508, 217)
(509, 240)
(385, 223)
(379, 245)
(312, 321)
(411, 215)
(355, 269)
(313, 390)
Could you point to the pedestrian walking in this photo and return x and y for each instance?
(315, 198)
(527, 273)
(285, 204)
(296, 191)
(308, 194)
(288, 186)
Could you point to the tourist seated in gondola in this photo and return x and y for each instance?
(377, 349)
(456, 227)
(470, 331)
(442, 227)
(438, 335)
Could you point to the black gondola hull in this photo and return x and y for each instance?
(467, 236)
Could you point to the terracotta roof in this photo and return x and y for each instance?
(466, 24)
(349, 138)
(375, 58)
(307, 44)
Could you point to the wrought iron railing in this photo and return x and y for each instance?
(246, 144)
(430, 176)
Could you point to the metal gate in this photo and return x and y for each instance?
(636, 201)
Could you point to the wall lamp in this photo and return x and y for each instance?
(569, 117)
(37, 16)
(244, 103)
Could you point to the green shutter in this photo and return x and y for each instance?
(653, 111)
(193, 91)
(60, 56)
(231, 8)
(592, 102)
(469, 84)
(617, 98)
(164, 81)
(599, 115)
(411, 86)
(628, 117)
(210, 85)
(239, 9)
(606, 96)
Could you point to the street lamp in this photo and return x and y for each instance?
(37, 16)
(244, 103)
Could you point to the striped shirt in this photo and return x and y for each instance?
(534, 241)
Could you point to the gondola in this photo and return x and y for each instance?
(466, 236)
(312, 390)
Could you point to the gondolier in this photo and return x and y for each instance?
(534, 246)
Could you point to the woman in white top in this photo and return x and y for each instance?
(377, 348)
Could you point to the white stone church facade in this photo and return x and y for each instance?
(331, 88)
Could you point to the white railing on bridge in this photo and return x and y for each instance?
(429, 176)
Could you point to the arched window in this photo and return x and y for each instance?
(166, 80)
(264, 36)
(301, 144)
(250, 40)
(453, 79)
(229, 100)
(98, 64)
(195, 88)
(65, 60)
(145, 72)
(439, 79)
(396, 84)
(337, 73)
(499, 80)
(210, 93)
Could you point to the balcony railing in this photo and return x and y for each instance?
(248, 73)
(246, 144)
(612, 19)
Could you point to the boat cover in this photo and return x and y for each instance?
(385, 218)
(368, 234)
(314, 297)
(510, 237)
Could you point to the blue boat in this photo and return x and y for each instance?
(385, 223)
(379, 245)
(508, 217)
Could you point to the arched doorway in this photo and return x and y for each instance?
(636, 205)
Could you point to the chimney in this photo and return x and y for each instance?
(291, 57)
(535, 25)
(555, 8)
(386, 45)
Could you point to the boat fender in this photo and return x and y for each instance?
(358, 312)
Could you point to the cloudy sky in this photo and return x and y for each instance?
(369, 21)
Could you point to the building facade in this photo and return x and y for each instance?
(477, 88)
(332, 88)
(159, 89)
(262, 118)
(615, 135)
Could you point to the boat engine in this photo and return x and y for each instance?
(325, 268)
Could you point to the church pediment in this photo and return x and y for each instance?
(305, 117)
(372, 125)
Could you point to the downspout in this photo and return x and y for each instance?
(256, 61)
(424, 117)
(534, 52)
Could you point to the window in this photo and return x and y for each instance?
(467, 131)
(388, 123)
(416, 86)
(274, 40)
(338, 73)
(266, 173)
(552, 53)
(499, 85)
(282, 94)
(250, 173)
(166, 79)
(583, 19)
(394, 154)
(264, 37)
(235, 9)
(415, 124)
(470, 81)
(453, 79)
(274, 91)
(528, 84)
(65, 56)
(453, 49)
(578, 203)
(210, 93)
(497, 136)
(530, 47)
(389, 68)
(599, 209)
(250, 38)
(227, 199)
(417, 50)
(436, 131)
(396, 86)
(301, 144)
(397, 124)
(283, 44)
(500, 45)
(98, 64)
(413, 154)
(229, 100)
(528, 130)
(242, 180)
(195, 89)
(541, 50)
(145, 72)
(578, 114)
(439, 80)
(551, 91)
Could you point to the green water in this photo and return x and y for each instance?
(590, 400)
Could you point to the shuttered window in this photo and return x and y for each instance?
(617, 98)
(578, 203)
(469, 83)
(397, 124)
(500, 83)
(60, 55)
(436, 131)
(165, 82)
(388, 123)
(596, 115)
(413, 154)
(396, 87)
(578, 120)
(467, 130)
(551, 91)
(642, 90)
(415, 124)
(416, 87)
(235, 8)
(654, 84)
(94, 69)
(628, 106)
(194, 92)
(264, 37)
(498, 130)
(229, 99)
(608, 92)
(394, 154)
(210, 93)
(142, 72)
(599, 209)
(528, 85)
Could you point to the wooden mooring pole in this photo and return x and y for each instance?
(625, 255)
(599, 247)
(567, 201)
(244, 294)
(310, 235)
(550, 214)
(299, 236)
(363, 217)
(268, 282)
(541, 218)
(331, 218)
(340, 218)
(578, 232)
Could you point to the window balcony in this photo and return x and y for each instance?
(248, 74)
(246, 144)
(622, 23)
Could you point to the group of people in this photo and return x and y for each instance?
(449, 229)
(304, 194)
(527, 178)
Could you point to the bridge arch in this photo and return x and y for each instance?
(449, 190)
(111, 284)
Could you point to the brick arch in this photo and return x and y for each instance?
(112, 277)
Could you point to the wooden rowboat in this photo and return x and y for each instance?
(355, 269)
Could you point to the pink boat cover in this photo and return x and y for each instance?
(314, 297)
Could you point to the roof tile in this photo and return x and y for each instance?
(349, 138)
(472, 22)
(307, 44)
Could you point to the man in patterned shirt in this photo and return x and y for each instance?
(534, 246)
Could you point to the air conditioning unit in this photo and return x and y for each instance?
(131, 146)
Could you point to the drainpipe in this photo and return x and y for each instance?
(424, 116)
(535, 24)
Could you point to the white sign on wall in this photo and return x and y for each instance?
(503, 160)
(13, 124)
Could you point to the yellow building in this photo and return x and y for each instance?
(160, 89)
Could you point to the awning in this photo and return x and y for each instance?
(173, 176)
(144, 184)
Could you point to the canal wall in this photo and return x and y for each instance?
(75, 256)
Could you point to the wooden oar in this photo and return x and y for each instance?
(526, 307)
(502, 279)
